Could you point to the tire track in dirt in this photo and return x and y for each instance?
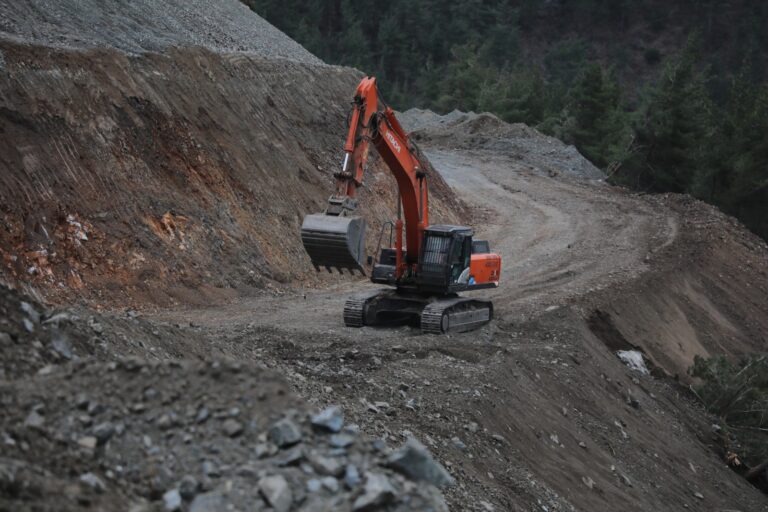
(558, 237)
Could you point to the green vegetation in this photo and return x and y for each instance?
(670, 96)
(738, 395)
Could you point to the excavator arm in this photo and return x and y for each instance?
(335, 239)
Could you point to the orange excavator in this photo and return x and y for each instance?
(435, 263)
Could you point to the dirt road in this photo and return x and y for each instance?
(532, 411)
(559, 238)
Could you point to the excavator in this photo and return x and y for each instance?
(428, 264)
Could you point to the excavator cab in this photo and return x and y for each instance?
(451, 261)
(445, 257)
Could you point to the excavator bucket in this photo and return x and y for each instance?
(334, 242)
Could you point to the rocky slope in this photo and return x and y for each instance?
(147, 26)
(180, 177)
(171, 435)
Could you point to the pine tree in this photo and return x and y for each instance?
(600, 127)
(674, 127)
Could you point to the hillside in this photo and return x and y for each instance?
(166, 345)
(128, 180)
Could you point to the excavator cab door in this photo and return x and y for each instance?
(461, 252)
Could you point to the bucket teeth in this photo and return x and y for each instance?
(334, 241)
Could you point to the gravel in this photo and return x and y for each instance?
(147, 26)
(130, 456)
(471, 131)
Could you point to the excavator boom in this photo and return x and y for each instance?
(336, 237)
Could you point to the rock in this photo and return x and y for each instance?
(172, 500)
(60, 343)
(458, 443)
(34, 420)
(95, 408)
(28, 325)
(81, 401)
(351, 476)
(168, 420)
(246, 471)
(379, 445)
(698, 495)
(414, 460)
(472, 427)
(341, 440)
(284, 433)
(233, 428)
(377, 492)
(331, 484)
(30, 311)
(264, 450)
(208, 502)
(291, 457)
(103, 432)
(202, 415)
(87, 442)
(5, 339)
(498, 438)
(330, 418)
(625, 480)
(188, 487)
(210, 469)
(58, 318)
(582, 444)
(314, 485)
(92, 481)
(588, 482)
(327, 465)
(276, 492)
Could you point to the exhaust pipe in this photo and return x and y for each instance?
(334, 241)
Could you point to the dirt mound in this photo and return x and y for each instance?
(470, 131)
(147, 25)
(174, 178)
(132, 435)
(705, 296)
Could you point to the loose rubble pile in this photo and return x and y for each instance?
(135, 435)
(32, 337)
(148, 25)
(471, 131)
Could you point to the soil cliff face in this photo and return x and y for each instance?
(175, 177)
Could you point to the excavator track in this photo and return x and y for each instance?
(354, 312)
(354, 307)
(455, 315)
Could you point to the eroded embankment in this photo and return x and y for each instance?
(169, 178)
(706, 293)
